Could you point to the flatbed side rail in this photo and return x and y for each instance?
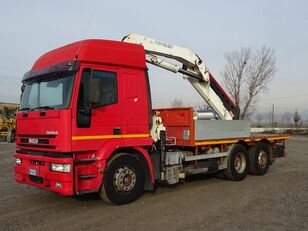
(245, 139)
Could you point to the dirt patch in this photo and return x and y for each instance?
(276, 201)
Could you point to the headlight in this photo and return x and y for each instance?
(18, 161)
(60, 167)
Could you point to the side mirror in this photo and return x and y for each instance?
(95, 91)
(23, 88)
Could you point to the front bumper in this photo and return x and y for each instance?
(34, 170)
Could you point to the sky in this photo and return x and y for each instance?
(30, 28)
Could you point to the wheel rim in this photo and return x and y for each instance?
(240, 163)
(262, 159)
(124, 179)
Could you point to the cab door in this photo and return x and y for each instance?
(97, 122)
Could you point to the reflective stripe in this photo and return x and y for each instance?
(210, 142)
(96, 137)
(279, 138)
(217, 142)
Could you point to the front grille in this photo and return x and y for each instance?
(37, 136)
(36, 141)
(36, 179)
(48, 154)
(37, 146)
(39, 141)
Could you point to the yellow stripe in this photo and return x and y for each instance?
(215, 142)
(209, 142)
(279, 138)
(109, 137)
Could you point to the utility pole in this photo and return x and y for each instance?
(273, 111)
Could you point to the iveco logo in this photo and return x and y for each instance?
(33, 141)
(52, 132)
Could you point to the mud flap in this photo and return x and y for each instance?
(279, 151)
(213, 166)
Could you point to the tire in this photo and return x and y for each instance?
(237, 164)
(10, 135)
(123, 181)
(259, 159)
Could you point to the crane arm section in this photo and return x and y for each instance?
(193, 69)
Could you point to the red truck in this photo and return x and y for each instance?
(86, 123)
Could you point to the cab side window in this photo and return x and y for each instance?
(108, 94)
(108, 81)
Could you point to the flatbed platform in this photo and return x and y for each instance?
(184, 130)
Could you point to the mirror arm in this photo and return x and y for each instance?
(87, 109)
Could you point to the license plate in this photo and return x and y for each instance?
(33, 172)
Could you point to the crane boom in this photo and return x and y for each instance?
(193, 69)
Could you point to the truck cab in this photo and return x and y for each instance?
(80, 103)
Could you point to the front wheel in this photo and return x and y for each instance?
(123, 180)
(237, 163)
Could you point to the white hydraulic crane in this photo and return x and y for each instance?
(193, 69)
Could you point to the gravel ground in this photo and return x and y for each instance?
(276, 201)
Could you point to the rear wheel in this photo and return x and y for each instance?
(259, 159)
(123, 180)
(237, 163)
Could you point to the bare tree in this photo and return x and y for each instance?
(296, 117)
(259, 117)
(247, 74)
(177, 103)
(286, 118)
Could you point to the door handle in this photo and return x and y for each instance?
(117, 131)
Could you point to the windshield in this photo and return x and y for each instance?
(47, 93)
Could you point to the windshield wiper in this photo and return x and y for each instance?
(44, 107)
(25, 109)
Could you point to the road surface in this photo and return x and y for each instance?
(276, 201)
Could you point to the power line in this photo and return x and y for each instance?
(283, 107)
(286, 97)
